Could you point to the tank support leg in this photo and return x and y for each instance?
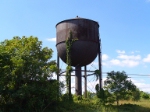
(85, 82)
(78, 81)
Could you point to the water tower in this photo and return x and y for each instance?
(84, 50)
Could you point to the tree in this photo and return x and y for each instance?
(145, 95)
(25, 73)
(136, 95)
(104, 95)
(118, 84)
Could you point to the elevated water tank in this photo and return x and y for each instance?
(86, 33)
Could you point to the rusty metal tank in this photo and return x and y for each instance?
(86, 33)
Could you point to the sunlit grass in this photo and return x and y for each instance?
(142, 102)
(88, 105)
(141, 106)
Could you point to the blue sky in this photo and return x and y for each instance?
(124, 29)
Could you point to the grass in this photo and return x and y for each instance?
(72, 107)
(139, 106)
(142, 102)
(87, 105)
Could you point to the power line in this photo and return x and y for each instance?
(131, 74)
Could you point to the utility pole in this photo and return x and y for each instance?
(100, 66)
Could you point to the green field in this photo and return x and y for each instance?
(94, 106)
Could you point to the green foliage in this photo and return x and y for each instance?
(97, 73)
(104, 95)
(25, 69)
(118, 84)
(68, 61)
(136, 95)
(69, 43)
(66, 98)
(90, 95)
(145, 95)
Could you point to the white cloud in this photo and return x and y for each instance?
(129, 57)
(120, 52)
(124, 63)
(51, 39)
(147, 59)
(125, 60)
(115, 62)
(122, 59)
(142, 85)
(105, 56)
(130, 63)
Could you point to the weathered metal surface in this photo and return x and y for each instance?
(84, 49)
(78, 81)
(85, 82)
